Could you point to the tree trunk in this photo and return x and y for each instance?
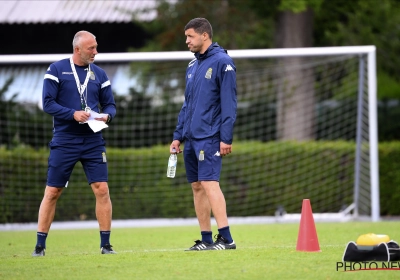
(295, 98)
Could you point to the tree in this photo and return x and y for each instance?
(8, 107)
(360, 22)
(230, 31)
(235, 24)
(293, 28)
(290, 23)
(296, 98)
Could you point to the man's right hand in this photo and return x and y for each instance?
(174, 148)
(81, 116)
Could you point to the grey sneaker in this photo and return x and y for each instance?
(222, 244)
(199, 246)
(107, 249)
(39, 251)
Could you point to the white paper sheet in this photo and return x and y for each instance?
(96, 125)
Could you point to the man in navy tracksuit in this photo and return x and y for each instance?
(73, 88)
(206, 123)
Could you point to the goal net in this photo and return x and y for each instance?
(306, 129)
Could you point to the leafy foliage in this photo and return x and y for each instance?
(235, 25)
(254, 181)
(9, 106)
(298, 6)
(361, 22)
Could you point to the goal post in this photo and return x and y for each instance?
(282, 167)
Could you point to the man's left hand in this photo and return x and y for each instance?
(225, 149)
(104, 119)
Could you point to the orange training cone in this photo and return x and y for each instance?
(307, 239)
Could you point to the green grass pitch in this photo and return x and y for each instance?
(265, 251)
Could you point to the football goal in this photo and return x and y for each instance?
(306, 128)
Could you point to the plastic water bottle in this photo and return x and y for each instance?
(171, 170)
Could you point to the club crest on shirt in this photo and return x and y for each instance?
(92, 76)
(209, 73)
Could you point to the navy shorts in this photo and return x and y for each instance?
(197, 168)
(65, 152)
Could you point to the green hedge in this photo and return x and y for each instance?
(256, 178)
(389, 178)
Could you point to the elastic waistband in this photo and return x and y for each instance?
(215, 136)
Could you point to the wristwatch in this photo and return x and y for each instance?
(108, 118)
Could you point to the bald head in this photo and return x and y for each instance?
(84, 48)
(79, 36)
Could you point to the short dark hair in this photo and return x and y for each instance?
(200, 25)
